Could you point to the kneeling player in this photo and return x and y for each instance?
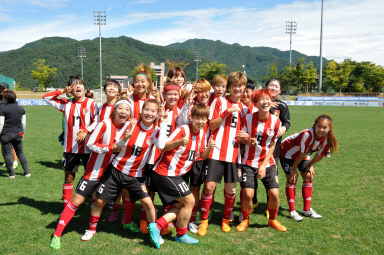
(101, 143)
(258, 161)
(177, 159)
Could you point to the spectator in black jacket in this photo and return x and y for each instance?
(12, 126)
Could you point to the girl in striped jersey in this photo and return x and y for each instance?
(184, 144)
(143, 90)
(79, 114)
(102, 143)
(225, 123)
(296, 153)
(127, 168)
(260, 133)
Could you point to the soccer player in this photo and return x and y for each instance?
(79, 114)
(219, 85)
(167, 179)
(296, 153)
(102, 144)
(246, 98)
(280, 110)
(261, 129)
(127, 168)
(225, 123)
(143, 90)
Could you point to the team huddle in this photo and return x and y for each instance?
(171, 142)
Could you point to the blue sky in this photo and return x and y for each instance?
(352, 28)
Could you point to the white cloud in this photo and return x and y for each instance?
(50, 4)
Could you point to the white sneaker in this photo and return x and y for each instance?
(232, 217)
(193, 227)
(88, 235)
(15, 164)
(161, 240)
(296, 216)
(311, 213)
(240, 217)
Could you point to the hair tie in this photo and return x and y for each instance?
(171, 87)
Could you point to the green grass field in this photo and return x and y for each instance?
(348, 191)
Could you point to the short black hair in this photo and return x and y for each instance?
(272, 79)
(10, 96)
(250, 84)
(112, 82)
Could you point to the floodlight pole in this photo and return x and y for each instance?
(81, 55)
(100, 18)
(321, 49)
(290, 28)
(197, 60)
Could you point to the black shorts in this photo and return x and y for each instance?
(170, 188)
(86, 187)
(217, 168)
(71, 161)
(249, 177)
(111, 187)
(195, 176)
(286, 164)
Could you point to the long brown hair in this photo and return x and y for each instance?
(331, 138)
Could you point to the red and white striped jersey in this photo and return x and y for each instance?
(172, 120)
(226, 148)
(132, 159)
(304, 142)
(105, 111)
(265, 132)
(251, 108)
(77, 115)
(137, 105)
(211, 98)
(100, 143)
(179, 161)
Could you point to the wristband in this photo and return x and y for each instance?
(224, 114)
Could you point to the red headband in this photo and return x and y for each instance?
(171, 87)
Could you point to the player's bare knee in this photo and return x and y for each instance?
(230, 188)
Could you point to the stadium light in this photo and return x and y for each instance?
(197, 60)
(290, 28)
(100, 19)
(81, 55)
(321, 49)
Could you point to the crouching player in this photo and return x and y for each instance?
(167, 179)
(258, 161)
(101, 143)
(126, 170)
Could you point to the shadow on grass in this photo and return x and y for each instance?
(55, 164)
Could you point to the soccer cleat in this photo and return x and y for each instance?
(171, 225)
(203, 227)
(27, 175)
(267, 214)
(3, 166)
(161, 240)
(165, 231)
(14, 165)
(254, 206)
(192, 227)
(240, 217)
(276, 225)
(55, 243)
(154, 234)
(232, 217)
(186, 239)
(144, 226)
(88, 235)
(11, 176)
(296, 216)
(131, 227)
(243, 225)
(113, 216)
(311, 213)
(225, 225)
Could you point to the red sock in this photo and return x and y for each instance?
(246, 214)
(181, 231)
(166, 208)
(93, 220)
(228, 204)
(290, 192)
(194, 213)
(67, 192)
(272, 213)
(161, 223)
(129, 208)
(65, 218)
(307, 195)
(205, 204)
(143, 214)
